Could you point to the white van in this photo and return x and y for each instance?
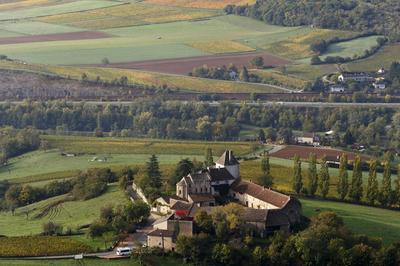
(124, 251)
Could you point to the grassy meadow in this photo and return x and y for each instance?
(364, 220)
(351, 48)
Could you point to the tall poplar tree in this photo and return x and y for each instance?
(356, 190)
(343, 182)
(312, 175)
(266, 178)
(372, 186)
(386, 189)
(324, 178)
(297, 178)
(209, 158)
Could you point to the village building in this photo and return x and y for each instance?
(264, 210)
(379, 85)
(308, 138)
(354, 76)
(337, 88)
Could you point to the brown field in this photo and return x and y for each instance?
(183, 66)
(212, 4)
(304, 152)
(68, 36)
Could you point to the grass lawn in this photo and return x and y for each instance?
(70, 214)
(383, 58)
(73, 6)
(351, 48)
(370, 221)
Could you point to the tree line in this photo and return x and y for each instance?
(385, 193)
(356, 15)
(376, 128)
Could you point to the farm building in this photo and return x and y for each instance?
(337, 88)
(264, 210)
(308, 138)
(379, 85)
(354, 76)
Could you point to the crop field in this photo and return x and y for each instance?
(132, 14)
(365, 220)
(142, 146)
(304, 151)
(309, 72)
(211, 4)
(298, 47)
(351, 48)
(183, 66)
(36, 28)
(219, 47)
(383, 58)
(141, 77)
(285, 80)
(74, 6)
(70, 214)
(13, 5)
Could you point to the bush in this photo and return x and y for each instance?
(52, 229)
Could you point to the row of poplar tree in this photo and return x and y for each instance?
(374, 193)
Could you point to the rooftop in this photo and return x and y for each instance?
(227, 158)
(259, 192)
(164, 233)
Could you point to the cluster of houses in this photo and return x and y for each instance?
(377, 80)
(264, 210)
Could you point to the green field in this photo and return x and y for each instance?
(383, 58)
(70, 214)
(56, 9)
(370, 221)
(351, 48)
(35, 28)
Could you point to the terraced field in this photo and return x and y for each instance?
(70, 214)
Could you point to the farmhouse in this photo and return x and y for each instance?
(264, 210)
(337, 88)
(308, 138)
(354, 76)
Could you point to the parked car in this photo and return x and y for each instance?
(124, 251)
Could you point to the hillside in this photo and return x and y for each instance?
(357, 15)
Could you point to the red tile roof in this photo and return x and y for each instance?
(264, 194)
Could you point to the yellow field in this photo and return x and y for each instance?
(220, 47)
(23, 4)
(126, 15)
(286, 81)
(299, 47)
(211, 4)
(145, 78)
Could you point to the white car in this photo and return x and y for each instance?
(124, 251)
